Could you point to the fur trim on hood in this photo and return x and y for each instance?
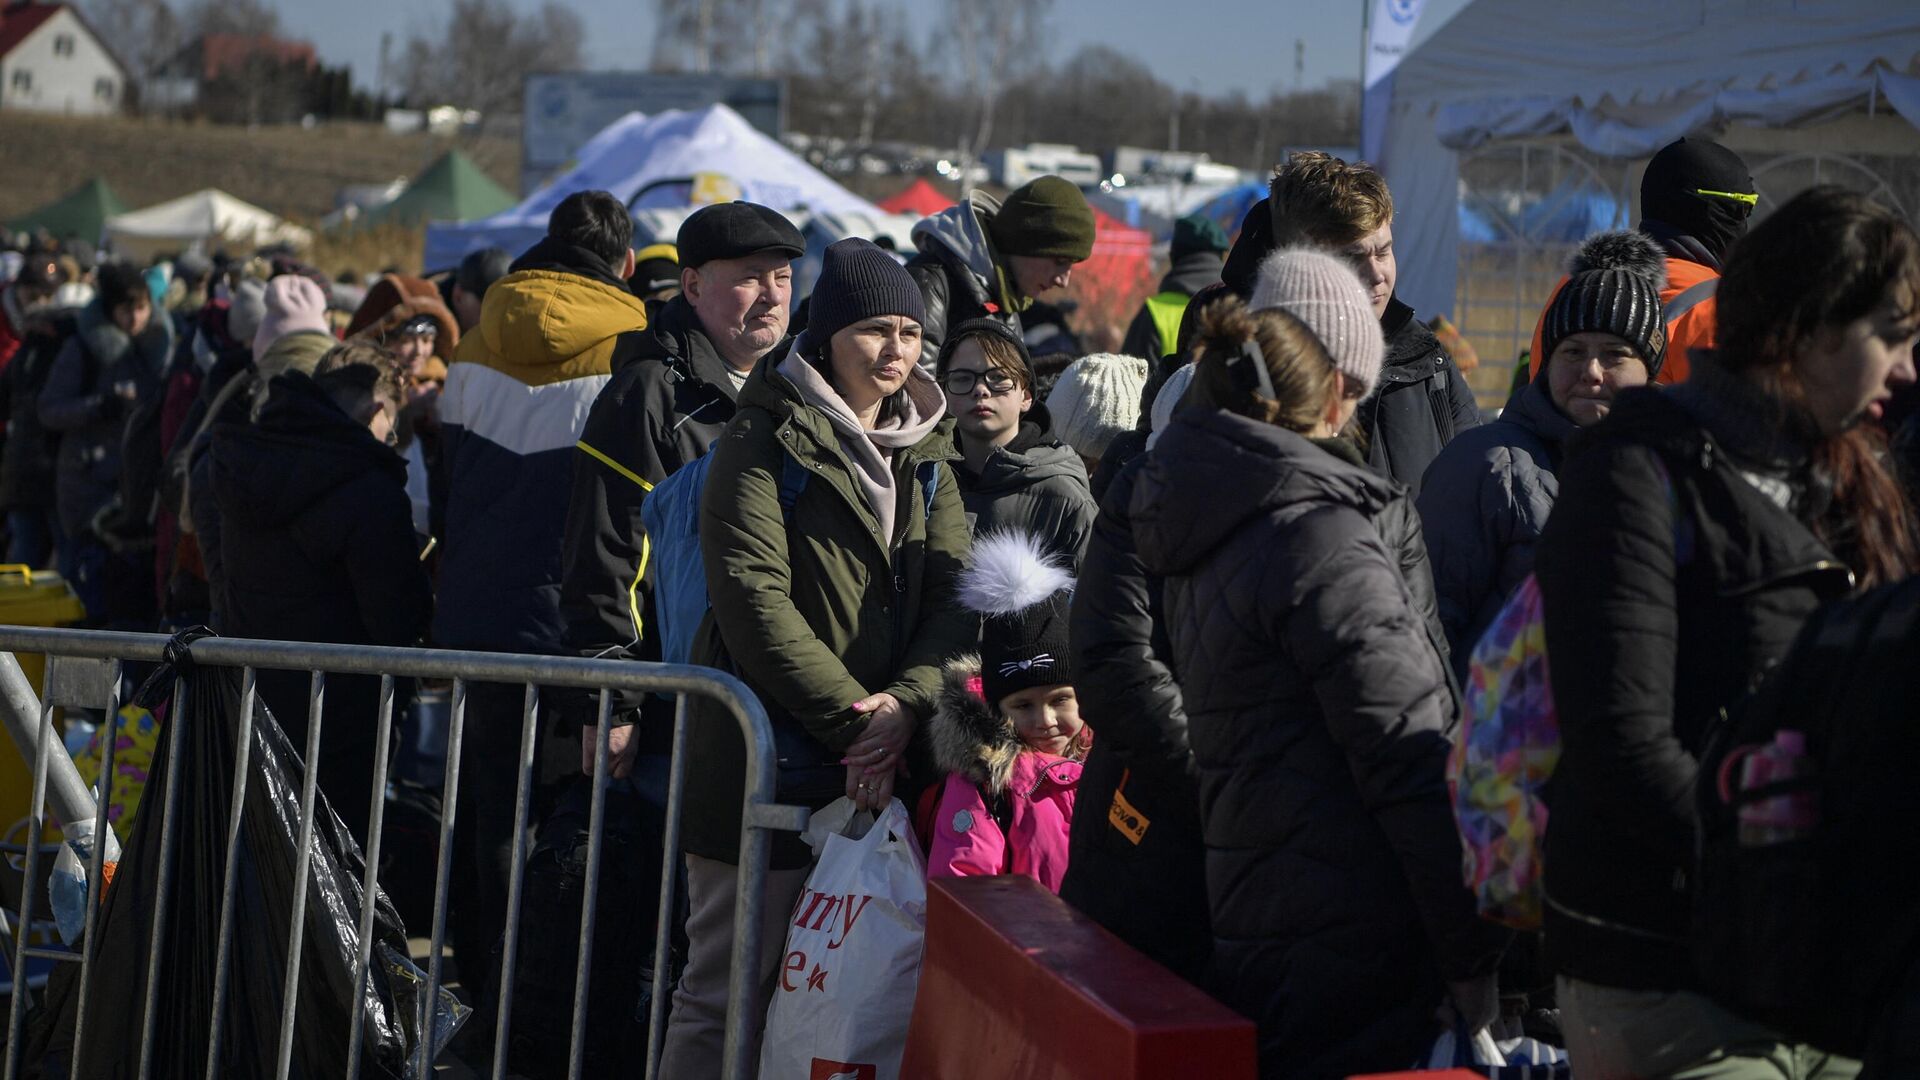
(969, 736)
(393, 301)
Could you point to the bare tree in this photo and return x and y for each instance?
(144, 34)
(998, 40)
(249, 17)
(487, 51)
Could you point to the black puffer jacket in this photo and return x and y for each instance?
(27, 464)
(79, 401)
(1671, 584)
(1136, 862)
(668, 399)
(318, 540)
(1422, 401)
(1485, 500)
(1320, 717)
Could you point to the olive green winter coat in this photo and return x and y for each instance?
(815, 611)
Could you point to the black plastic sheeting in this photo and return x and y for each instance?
(262, 919)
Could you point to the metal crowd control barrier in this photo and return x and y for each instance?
(57, 784)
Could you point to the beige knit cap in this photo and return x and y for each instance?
(1322, 292)
(1097, 398)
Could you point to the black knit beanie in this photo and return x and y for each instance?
(1048, 218)
(1614, 289)
(983, 327)
(1022, 594)
(1688, 187)
(858, 281)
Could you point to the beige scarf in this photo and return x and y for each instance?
(872, 451)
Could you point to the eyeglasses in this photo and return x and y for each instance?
(963, 382)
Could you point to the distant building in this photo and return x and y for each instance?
(51, 61)
(179, 82)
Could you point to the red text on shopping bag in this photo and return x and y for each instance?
(830, 918)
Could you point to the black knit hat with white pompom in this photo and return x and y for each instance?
(1022, 594)
(1614, 289)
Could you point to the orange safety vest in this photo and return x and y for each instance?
(1691, 312)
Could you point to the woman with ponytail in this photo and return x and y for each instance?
(1318, 706)
(1694, 533)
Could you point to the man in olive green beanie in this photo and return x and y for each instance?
(990, 259)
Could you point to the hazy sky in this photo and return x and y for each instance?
(1210, 45)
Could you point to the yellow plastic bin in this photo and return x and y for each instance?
(30, 597)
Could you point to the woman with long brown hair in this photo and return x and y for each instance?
(1695, 532)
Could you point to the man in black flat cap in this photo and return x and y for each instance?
(661, 409)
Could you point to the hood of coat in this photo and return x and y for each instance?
(1195, 271)
(1531, 408)
(394, 301)
(295, 352)
(1409, 341)
(545, 326)
(301, 448)
(1032, 457)
(1242, 268)
(968, 736)
(109, 345)
(1214, 471)
(962, 230)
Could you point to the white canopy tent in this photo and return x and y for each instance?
(1618, 81)
(209, 218)
(675, 159)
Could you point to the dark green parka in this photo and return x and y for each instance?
(816, 612)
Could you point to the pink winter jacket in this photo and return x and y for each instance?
(987, 764)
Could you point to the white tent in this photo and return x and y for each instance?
(208, 217)
(1616, 82)
(674, 159)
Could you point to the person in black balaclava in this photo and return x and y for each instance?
(1695, 200)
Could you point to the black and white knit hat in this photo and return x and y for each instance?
(1022, 594)
(1614, 289)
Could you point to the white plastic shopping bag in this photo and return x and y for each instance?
(845, 987)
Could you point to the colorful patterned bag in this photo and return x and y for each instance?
(137, 735)
(1509, 744)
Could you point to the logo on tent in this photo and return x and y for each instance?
(712, 187)
(1403, 11)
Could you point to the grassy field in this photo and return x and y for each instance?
(291, 171)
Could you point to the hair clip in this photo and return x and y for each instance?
(1249, 370)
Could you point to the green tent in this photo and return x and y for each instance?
(452, 189)
(82, 212)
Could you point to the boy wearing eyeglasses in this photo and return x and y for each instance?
(1015, 473)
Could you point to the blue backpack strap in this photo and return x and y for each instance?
(793, 480)
(929, 484)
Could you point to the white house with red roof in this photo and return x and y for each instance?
(52, 61)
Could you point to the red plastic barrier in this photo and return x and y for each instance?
(1016, 984)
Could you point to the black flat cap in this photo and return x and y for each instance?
(735, 230)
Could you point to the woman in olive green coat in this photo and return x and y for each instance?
(837, 612)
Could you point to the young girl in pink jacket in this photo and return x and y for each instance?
(1008, 732)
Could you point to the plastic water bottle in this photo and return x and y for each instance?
(1787, 816)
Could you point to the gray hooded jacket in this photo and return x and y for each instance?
(957, 271)
(1034, 485)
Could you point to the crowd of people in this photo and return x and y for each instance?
(1220, 596)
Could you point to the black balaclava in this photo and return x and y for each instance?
(1673, 212)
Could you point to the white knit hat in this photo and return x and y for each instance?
(1096, 399)
(1167, 402)
(1323, 292)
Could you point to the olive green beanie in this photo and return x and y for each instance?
(1047, 217)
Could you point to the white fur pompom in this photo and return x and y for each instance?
(1009, 573)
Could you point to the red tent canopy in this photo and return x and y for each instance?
(920, 197)
(1112, 284)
